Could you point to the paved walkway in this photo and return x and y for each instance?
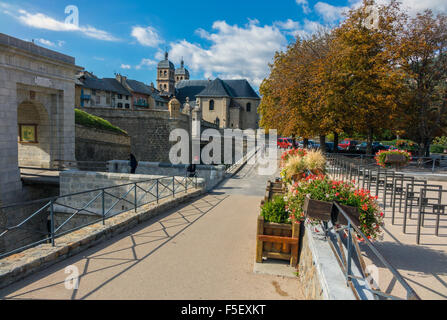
(202, 250)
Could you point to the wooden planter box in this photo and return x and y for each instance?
(277, 241)
(273, 189)
(322, 210)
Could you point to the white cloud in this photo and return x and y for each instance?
(288, 25)
(146, 36)
(125, 66)
(42, 21)
(304, 5)
(45, 42)
(235, 52)
(329, 12)
(146, 63)
(49, 43)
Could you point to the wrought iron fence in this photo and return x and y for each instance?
(94, 206)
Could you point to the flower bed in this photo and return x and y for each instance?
(291, 153)
(390, 158)
(299, 166)
(324, 189)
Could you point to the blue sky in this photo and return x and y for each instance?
(228, 39)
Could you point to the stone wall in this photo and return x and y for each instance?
(310, 283)
(321, 277)
(100, 145)
(148, 130)
(211, 175)
(44, 78)
(119, 185)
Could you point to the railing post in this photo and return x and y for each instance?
(173, 186)
(52, 222)
(156, 188)
(348, 271)
(103, 207)
(135, 196)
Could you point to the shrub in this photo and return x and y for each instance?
(440, 141)
(290, 153)
(275, 210)
(297, 167)
(436, 148)
(322, 188)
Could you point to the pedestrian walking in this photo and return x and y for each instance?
(133, 163)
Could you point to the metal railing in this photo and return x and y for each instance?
(98, 204)
(433, 163)
(348, 253)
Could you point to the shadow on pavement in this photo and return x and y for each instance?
(187, 213)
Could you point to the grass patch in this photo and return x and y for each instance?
(88, 120)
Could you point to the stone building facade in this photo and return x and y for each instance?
(37, 95)
(228, 103)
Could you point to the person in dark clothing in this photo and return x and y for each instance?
(133, 163)
(191, 170)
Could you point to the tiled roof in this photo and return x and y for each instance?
(139, 87)
(216, 88)
(107, 84)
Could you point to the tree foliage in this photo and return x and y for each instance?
(358, 78)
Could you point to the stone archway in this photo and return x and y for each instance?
(34, 139)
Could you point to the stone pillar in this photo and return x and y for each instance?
(196, 120)
(174, 108)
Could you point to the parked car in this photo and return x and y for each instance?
(284, 143)
(376, 147)
(330, 147)
(310, 144)
(348, 145)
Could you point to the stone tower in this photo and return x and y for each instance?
(181, 73)
(165, 76)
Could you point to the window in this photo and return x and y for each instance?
(165, 73)
(120, 105)
(211, 105)
(93, 92)
(127, 97)
(248, 107)
(165, 86)
(120, 96)
(98, 99)
(127, 106)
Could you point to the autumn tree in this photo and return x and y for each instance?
(290, 99)
(364, 75)
(423, 53)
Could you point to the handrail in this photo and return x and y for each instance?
(411, 294)
(172, 184)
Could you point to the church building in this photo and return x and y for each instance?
(230, 104)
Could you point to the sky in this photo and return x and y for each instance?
(229, 39)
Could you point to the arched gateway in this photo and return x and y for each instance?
(37, 98)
